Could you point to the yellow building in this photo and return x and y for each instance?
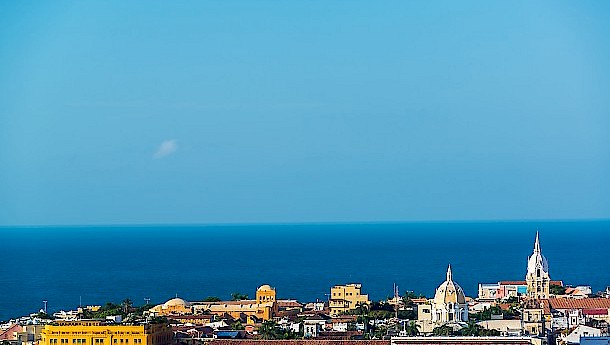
(264, 307)
(264, 294)
(95, 332)
(262, 311)
(346, 297)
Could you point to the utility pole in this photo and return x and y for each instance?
(147, 300)
(45, 306)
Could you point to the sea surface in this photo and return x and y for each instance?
(93, 265)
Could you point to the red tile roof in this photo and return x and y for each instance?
(523, 282)
(595, 311)
(581, 303)
(289, 304)
(513, 282)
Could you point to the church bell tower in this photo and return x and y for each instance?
(537, 277)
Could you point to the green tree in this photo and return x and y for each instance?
(412, 329)
(212, 299)
(380, 332)
(471, 330)
(43, 315)
(557, 290)
(490, 332)
(443, 330)
(362, 310)
(236, 296)
(127, 304)
(269, 330)
(237, 325)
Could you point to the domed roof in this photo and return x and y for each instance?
(449, 291)
(175, 302)
(537, 259)
(265, 287)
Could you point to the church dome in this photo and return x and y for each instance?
(175, 302)
(449, 291)
(265, 287)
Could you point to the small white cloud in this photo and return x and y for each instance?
(166, 148)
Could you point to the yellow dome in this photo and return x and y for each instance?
(175, 302)
(265, 287)
(449, 291)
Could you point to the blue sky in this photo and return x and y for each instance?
(124, 112)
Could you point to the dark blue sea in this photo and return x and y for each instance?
(98, 264)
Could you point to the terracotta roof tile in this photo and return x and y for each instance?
(582, 303)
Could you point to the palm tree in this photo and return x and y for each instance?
(127, 303)
(412, 329)
(362, 309)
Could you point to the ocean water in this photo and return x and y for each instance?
(65, 265)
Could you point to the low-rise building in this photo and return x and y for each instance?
(175, 306)
(192, 319)
(264, 307)
(346, 297)
(313, 325)
(577, 311)
(580, 331)
(506, 289)
(95, 332)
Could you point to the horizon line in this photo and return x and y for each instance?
(368, 222)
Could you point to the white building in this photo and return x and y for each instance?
(581, 331)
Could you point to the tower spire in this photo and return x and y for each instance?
(449, 277)
(537, 243)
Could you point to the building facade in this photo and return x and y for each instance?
(175, 306)
(346, 297)
(263, 308)
(93, 332)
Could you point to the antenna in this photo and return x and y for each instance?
(45, 306)
(80, 301)
(396, 299)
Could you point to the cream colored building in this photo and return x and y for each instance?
(449, 303)
(537, 277)
(175, 306)
(346, 297)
